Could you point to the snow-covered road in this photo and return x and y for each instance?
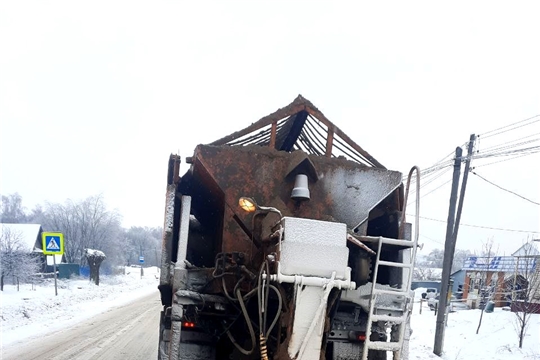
(126, 332)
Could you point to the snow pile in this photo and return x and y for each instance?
(35, 308)
(497, 339)
(95, 253)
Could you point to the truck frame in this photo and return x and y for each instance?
(286, 240)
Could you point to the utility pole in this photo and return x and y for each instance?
(447, 264)
(452, 228)
(463, 186)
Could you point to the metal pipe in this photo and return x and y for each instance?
(183, 233)
(312, 280)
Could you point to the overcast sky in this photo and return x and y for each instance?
(94, 96)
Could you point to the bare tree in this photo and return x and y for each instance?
(435, 258)
(485, 289)
(36, 216)
(85, 224)
(142, 241)
(459, 259)
(16, 261)
(425, 273)
(13, 211)
(526, 299)
(94, 259)
(62, 217)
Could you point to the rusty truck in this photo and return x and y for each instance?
(286, 240)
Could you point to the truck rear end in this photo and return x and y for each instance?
(285, 240)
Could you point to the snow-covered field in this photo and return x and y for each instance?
(35, 310)
(496, 340)
(29, 313)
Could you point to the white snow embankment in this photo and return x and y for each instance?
(36, 309)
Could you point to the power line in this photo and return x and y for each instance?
(529, 150)
(443, 163)
(499, 161)
(429, 192)
(510, 191)
(481, 226)
(436, 241)
(424, 184)
(499, 149)
(438, 187)
(515, 126)
(507, 144)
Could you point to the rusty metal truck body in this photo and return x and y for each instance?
(285, 240)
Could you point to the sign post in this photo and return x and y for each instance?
(53, 244)
(141, 260)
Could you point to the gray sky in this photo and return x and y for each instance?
(95, 96)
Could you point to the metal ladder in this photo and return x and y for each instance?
(399, 321)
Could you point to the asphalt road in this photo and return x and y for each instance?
(127, 332)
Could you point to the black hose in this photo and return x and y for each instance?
(225, 290)
(250, 327)
(263, 292)
(278, 313)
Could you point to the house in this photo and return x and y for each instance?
(28, 234)
(527, 249)
(30, 237)
(499, 275)
(527, 259)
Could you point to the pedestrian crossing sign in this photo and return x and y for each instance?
(53, 243)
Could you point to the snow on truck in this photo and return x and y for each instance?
(286, 240)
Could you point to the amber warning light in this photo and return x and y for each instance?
(247, 204)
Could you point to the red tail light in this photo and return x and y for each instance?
(357, 336)
(188, 324)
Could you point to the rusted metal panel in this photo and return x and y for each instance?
(345, 191)
(234, 237)
(297, 110)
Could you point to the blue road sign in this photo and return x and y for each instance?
(53, 243)
(141, 259)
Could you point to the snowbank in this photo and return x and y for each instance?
(497, 339)
(35, 309)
